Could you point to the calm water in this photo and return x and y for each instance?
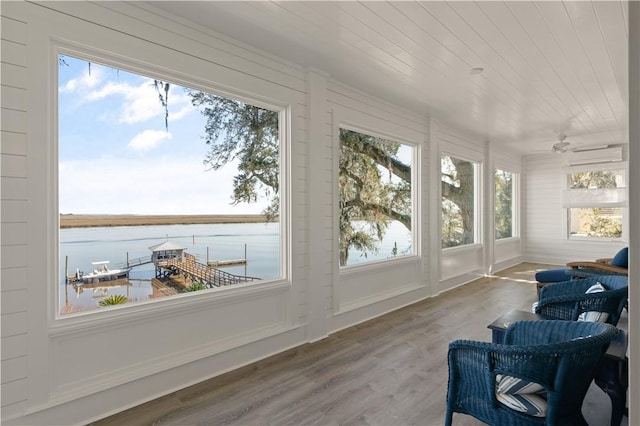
(224, 241)
(81, 246)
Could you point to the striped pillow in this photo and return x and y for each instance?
(594, 316)
(521, 395)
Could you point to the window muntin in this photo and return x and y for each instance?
(504, 204)
(459, 201)
(376, 207)
(138, 147)
(595, 202)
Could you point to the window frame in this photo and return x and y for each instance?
(515, 202)
(478, 213)
(415, 197)
(567, 171)
(174, 303)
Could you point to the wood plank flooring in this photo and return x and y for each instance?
(388, 371)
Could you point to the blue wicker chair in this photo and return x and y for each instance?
(561, 356)
(567, 300)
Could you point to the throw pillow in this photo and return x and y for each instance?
(621, 258)
(594, 316)
(521, 395)
(513, 385)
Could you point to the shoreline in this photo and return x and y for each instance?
(108, 220)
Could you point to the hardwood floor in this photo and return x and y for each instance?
(388, 371)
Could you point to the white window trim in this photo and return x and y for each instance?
(477, 201)
(565, 211)
(182, 302)
(515, 203)
(416, 156)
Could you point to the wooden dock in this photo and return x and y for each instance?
(223, 263)
(206, 274)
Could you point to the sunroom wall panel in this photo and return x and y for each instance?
(545, 242)
(509, 251)
(13, 260)
(55, 388)
(364, 291)
(462, 264)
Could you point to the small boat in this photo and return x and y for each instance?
(101, 272)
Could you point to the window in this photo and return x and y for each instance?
(162, 189)
(504, 204)
(459, 180)
(376, 198)
(595, 202)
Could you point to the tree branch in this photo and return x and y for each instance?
(379, 208)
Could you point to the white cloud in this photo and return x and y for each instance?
(179, 106)
(148, 140)
(85, 81)
(110, 88)
(141, 102)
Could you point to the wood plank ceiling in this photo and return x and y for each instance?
(550, 67)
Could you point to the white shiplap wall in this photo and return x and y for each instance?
(319, 196)
(509, 251)
(70, 377)
(13, 261)
(545, 238)
(61, 373)
(362, 293)
(459, 264)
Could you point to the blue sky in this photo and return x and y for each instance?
(116, 157)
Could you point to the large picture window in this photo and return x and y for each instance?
(376, 198)
(458, 178)
(595, 202)
(504, 204)
(162, 189)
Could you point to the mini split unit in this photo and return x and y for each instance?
(605, 155)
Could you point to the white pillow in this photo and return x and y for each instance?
(514, 385)
(521, 395)
(594, 316)
(527, 403)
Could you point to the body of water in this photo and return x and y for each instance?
(82, 246)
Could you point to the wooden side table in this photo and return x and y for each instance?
(612, 374)
(499, 326)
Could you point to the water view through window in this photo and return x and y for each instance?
(162, 189)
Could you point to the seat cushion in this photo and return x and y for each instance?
(552, 275)
(521, 395)
(621, 259)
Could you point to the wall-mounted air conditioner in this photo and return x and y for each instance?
(593, 156)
